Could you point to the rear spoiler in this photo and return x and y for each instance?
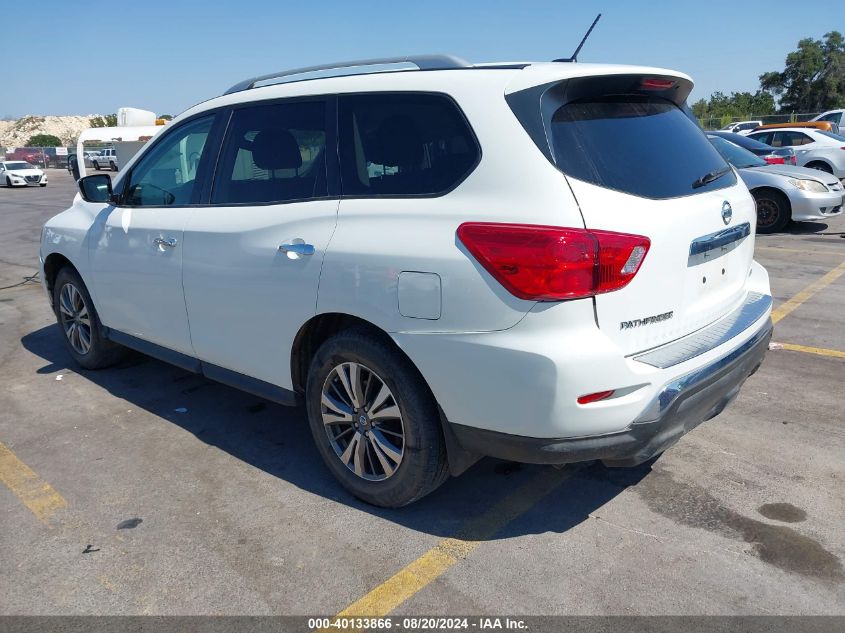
(555, 94)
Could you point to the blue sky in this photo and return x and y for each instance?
(166, 56)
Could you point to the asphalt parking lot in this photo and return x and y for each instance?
(144, 489)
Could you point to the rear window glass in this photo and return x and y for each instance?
(403, 145)
(273, 153)
(644, 146)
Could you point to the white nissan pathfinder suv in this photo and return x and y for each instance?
(546, 262)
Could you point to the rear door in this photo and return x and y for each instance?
(252, 257)
(638, 164)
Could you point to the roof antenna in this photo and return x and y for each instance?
(574, 57)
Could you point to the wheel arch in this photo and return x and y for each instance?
(773, 190)
(819, 161)
(53, 263)
(321, 327)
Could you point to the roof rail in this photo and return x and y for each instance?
(422, 62)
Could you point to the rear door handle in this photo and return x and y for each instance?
(168, 242)
(296, 247)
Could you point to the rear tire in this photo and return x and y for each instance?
(112, 165)
(96, 165)
(773, 211)
(379, 400)
(80, 325)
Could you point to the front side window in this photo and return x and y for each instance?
(407, 144)
(167, 174)
(273, 153)
(645, 146)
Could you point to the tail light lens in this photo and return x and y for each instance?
(774, 160)
(794, 159)
(551, 263)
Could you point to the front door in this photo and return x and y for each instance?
(136, 248)
(252, 257)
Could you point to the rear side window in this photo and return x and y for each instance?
(273, 153)
(645, 146)
(405, 144)
(763, 137)
(790, 139)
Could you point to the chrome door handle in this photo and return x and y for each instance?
(169, 242)
(297, 248)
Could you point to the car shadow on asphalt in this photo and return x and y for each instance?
(806, 228)
(277, 440)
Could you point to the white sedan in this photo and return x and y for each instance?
(814, 148)
(17, 173)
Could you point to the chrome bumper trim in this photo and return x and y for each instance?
(675, 389)
(754, 307)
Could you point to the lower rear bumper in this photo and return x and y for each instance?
(678, 407)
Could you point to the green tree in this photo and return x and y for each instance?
(44, 140)
(813, 78)
(166, 117)
(109, 120)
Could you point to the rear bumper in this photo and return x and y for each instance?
(678, 407)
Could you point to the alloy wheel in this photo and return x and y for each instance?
(76, 319)
(363, 422)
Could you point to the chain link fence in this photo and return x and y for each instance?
(716, 123)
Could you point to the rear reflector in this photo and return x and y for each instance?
(551, 263)
(595, 397)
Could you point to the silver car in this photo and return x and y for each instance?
(783, 192)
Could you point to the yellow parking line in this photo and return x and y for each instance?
(834, 353)
(36, 494)
(449, 551)
(788, 306)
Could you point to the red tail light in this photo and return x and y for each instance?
(793, 159)
(774, 160)
(551, 263)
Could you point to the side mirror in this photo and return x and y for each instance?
(96, 188)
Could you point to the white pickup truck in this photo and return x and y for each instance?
(105, 157)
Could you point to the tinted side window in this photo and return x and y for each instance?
(790, 139)
(273, 153)
(644, 146)
(403, 144)
(166, 175)
(762, 137)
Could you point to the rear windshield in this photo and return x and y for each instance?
(835, 137)
(644, 146)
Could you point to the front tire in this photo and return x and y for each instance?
(375, 421)
(773, 211)
(44, 185)
(9, 182)
(80, 325)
